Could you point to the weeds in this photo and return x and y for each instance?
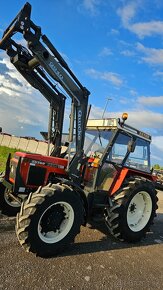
(4, 151)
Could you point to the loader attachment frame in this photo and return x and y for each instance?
(43, 67)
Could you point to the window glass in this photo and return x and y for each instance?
(96, 142)
(119, 149)
(139, 159)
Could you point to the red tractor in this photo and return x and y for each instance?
(108, 172)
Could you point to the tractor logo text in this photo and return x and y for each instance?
(79, 124)
(53, 67)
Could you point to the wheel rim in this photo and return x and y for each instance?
(10, 201)
(55, 222)
(139, 211)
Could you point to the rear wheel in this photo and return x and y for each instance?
(133, 210)
(8, 205)
(49, 220)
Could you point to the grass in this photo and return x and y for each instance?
(4, 151)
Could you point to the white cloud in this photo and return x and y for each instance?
(124, 101)
(151, 101)
(26, 121)
(127, 52)
(17, 112)
(152, 55)
(20, 104)
(114, 31)
(11, 79)
(141, 29)
(111, 77)
(91, 5)
(144, 119)
(158, 74)
(96, 112)
(133, 92)
(105, 52)
(23, 110)
(138, 119)
(127, 13)
(157, 141)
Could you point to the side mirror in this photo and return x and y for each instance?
(131, 146)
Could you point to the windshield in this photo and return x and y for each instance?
(96, 142)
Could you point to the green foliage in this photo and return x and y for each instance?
(4, 151)
(157, 167)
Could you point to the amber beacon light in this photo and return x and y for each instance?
(124, 117)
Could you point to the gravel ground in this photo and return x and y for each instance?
(95, 261)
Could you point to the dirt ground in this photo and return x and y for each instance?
(95, 261)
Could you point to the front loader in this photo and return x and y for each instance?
(109, 172)
(18, 180)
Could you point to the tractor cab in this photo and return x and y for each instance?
(115, 150)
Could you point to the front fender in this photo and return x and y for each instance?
(82, 195)
(2, 187)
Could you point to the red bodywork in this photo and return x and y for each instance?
(49, 164)
(57, 166)
(120, 175)
(123, 173)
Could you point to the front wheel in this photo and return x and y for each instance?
(8, 205)
(49, 220)
(133, 210)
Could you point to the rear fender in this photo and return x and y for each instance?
(125, 173)
(119, 178)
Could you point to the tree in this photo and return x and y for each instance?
(156, 166)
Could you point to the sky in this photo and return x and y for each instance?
(115, 48)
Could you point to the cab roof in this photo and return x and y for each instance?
(113, 124)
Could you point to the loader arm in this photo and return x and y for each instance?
(38, 79)
(42, 65)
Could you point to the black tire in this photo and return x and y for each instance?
(120, 218)
(42, 215)
(7, 206)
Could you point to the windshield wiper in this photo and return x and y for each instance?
(99, 136)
